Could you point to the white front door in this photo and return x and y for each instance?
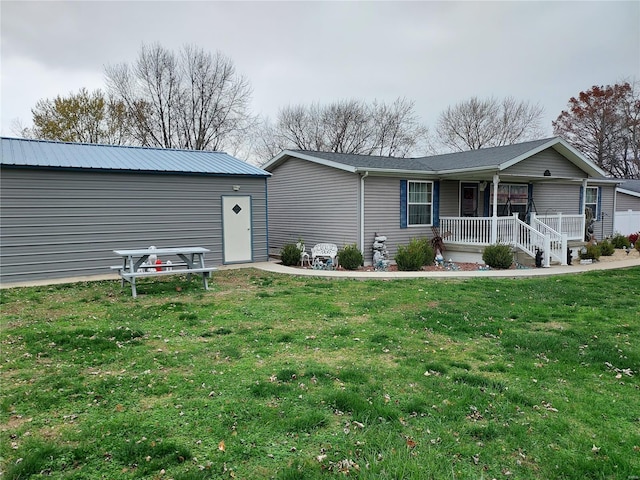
(236, 226)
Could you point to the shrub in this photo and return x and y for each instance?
(498, 256)
(633, 238)
(637, 244)
(427, 249)
(620, 241)
(590, 252)
(606, 248)
(350, 257)
(290, 254)
(410, 257)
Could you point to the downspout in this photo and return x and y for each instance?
(362, 177)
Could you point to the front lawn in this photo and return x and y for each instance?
(273, 376)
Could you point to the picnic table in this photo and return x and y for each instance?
(135, 263)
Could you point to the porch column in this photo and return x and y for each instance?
(494, 217)
(583, 207)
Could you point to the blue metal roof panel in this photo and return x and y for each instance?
(41, 153)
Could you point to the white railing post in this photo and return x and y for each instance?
(559, 229)
(563, 253)
(547, 251)
(515, 237)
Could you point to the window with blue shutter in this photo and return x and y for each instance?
(593, 201)
(416, 203)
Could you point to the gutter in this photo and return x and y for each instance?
(362, 177)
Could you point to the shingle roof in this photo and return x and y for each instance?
(486, 157)
(370, 161)
(41, 153)
(631, 185)
(493, 158)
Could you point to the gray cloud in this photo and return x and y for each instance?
(436, 53)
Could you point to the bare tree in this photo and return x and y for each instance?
(477, 123)
(193, 100)
(604, 123)
(347, 126)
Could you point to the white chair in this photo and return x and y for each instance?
(304, 256)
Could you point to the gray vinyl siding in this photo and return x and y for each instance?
(382, 216)
(553, 198)
(64, 223)
(626, 202)
(316, 203)
(548, 159)
(450, 198)
(604, 227)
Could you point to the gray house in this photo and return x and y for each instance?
(64, 207)
(535, 195)
(627, 214)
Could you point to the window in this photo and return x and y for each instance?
(419, 203)
(512, 199)
(591, 201)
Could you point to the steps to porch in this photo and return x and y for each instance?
(551, 234)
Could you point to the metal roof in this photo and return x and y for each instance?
(43, 153)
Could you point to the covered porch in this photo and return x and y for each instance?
(523, 228)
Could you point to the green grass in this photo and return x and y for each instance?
(271, 376)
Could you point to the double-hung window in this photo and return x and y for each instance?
(419, 203)
(591, 201)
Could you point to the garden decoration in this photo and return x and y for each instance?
(380, 253)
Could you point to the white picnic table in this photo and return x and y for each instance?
(135, 264)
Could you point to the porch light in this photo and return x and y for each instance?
(547, 173)
(483, 186)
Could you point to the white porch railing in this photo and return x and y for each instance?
(478, 230)
(466, 230)
(510, 231)
(571, 225)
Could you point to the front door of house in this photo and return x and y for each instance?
(469, 200)
(236, 226)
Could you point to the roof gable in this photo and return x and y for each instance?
(41, 153)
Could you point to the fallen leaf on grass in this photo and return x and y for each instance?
(221, 446)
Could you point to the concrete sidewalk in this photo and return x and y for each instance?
(529, 272)
(276, 267)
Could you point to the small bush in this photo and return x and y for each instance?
(637, 244)
(427, 250)
(350, 257)
(290, 255)
(410, 258)
(498, 256)
(633, 238)
(606, 248)
(620, 241)
(590, 252)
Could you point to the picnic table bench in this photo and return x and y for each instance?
(135, 264)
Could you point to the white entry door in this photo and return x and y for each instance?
(236, 226)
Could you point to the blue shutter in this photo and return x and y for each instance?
(581, 205)
(403, 204)
(599, 207)
(436, 203)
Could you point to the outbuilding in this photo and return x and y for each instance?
(64, 207)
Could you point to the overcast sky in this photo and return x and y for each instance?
(434, 53)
